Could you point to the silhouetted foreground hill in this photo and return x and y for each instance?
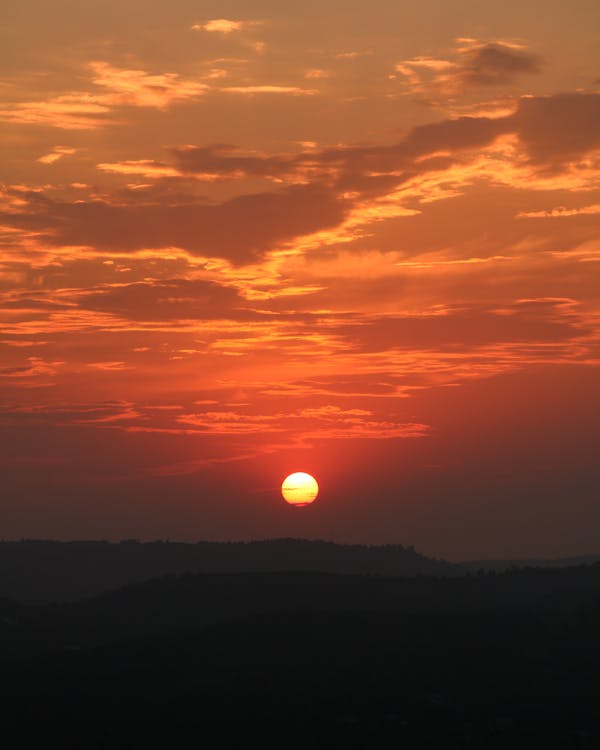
(308, 659)
(44, 571)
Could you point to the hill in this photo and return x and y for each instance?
(531, 562)
(45, 571)
(195, 600)
(489, 660)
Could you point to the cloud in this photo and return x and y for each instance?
(474, 64)
(166, 300)
(557, 129)
(145, 167)
(560, 212)
(316, 73)
(494, 63)
(226, 161)
(72, 111)
(268, 89)
(297, 427)
(351, 167)
(461, 330)
(550, 129)
(325, 422)
(138, 88)
(352, 55)
(224, 25)
(36, 367)
(58, 152)
(110, 366)
(239, 229)
(326, 195)
(119, 87)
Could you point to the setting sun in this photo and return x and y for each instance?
(299, 489)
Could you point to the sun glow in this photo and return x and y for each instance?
(299, 489)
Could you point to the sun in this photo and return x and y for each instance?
(299, 489)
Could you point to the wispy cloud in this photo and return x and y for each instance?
(145, 167)
(316, 73)
(72, 111)
(35, 367)
(269, 89)
(58, 152)
(119, 88)
(225, 25)
(560, 211)
(138, 88)
(116, 89)
(330, 421)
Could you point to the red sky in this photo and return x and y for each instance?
(360, 240)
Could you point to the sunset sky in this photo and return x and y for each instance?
(242, 239)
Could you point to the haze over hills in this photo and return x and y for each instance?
(529, 562)
(45, 571)
(38, 571)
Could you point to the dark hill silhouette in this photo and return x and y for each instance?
(191, 600)
(531, 562)
(310, 659)
(45, 571)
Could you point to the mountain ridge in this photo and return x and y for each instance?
(42, 571)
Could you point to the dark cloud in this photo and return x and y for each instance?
(226, 161)
(473, 64)
(328, 164)
(494, 64)
(454, 135)
(550, 128)
(539, 321)
(168, 300)
(238, 229)
(560, 128)
(552, 131)
(25, 302)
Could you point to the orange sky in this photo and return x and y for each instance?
(244, 239)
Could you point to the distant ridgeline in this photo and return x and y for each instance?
(45, 571)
